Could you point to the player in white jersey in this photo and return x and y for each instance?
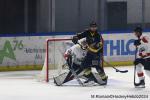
(78, 52)
(143, 55)
(74, 57)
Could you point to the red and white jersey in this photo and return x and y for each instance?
(144, 48)
(145, 38)
(77, 53)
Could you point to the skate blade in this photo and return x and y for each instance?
(141, 86)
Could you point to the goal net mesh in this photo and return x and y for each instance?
(54, 63)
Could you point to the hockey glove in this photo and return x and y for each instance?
(137, 42)
(143, 54)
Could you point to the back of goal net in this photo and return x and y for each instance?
(54, 63)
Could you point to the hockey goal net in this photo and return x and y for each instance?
(54, 63)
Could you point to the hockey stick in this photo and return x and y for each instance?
(73, 72)
(117, 70)
(76, 76)
(135, 66)
(102, 53)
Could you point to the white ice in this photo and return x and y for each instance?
(22, 85)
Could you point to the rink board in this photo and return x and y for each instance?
(28, 52)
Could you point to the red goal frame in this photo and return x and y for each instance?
(47, 53)
(62, 39)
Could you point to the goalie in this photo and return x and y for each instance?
(75, 57)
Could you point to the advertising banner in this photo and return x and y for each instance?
(30, 50)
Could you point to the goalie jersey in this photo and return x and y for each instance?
(78, 54)
(144, 48)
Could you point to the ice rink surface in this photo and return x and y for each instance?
(22, 85)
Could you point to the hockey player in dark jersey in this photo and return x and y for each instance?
(95, 47)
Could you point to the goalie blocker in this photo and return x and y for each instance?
(74, 58)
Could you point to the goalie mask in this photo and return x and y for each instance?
(83, 43)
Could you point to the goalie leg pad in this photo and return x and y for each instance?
(66, 77)
(94, 77)
(60, 79)
(70, 76)
(99, 79)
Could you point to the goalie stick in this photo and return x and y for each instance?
(76, 76)
(73, 72)
(117, 70)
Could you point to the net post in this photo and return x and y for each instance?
(47, 59)
(47, 76)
